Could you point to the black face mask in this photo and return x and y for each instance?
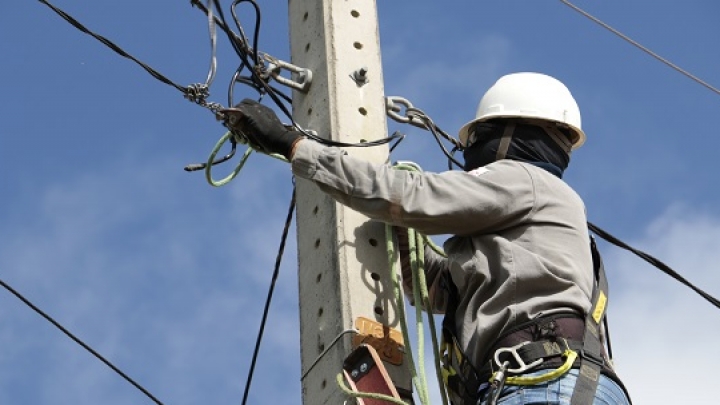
(529, 143)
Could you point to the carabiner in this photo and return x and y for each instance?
(516, 356)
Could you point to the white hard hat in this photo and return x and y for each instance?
(529, 95)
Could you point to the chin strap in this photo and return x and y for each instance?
(505, 141)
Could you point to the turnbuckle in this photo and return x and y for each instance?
(523, 367)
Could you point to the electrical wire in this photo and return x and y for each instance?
(213, 49)
(250, 58)
(80, 342)
(641, 47)
(437, 133)
(266, 310)
(655, 262)
(114, 47)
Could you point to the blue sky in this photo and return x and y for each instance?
(166, 276)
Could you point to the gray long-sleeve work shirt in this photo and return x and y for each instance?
(520, 247)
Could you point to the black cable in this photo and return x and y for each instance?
(433, 130)
(400, 137)
(429, 124)
(454, 161)
(245, 52)
(276, 272)
(256, 33)
(114, 47)
(655, 262)
(198, 94)
(80, 342)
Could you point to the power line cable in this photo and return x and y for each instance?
(276, 272)
(80, 342)
(641, 47)
(655, 262)
(114, 47)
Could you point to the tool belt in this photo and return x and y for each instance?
(534, 346)
(540, 342)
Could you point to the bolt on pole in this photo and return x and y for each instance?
(343, 262)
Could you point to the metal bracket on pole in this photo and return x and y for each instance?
(302, 79)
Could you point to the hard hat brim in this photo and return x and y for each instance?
(464, 131)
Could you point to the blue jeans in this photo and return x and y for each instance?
(558, 392)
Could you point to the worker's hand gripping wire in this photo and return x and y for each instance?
(261, 128)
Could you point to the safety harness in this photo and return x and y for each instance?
(558, 343)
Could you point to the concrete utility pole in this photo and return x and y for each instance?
(342, 257)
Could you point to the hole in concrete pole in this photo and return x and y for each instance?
(355, 13)
(315, 210)
(318, 278)
(362, 110)
(375, 276)
(320, 312)
(373, 242)
(358, 45)
(305, 16)
(379, 310)
(321, 347)
(317, 243)
(323, 384)
(307, 47)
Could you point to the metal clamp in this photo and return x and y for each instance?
(303, 76)
(516, 356)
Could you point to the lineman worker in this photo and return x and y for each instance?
(519, 272)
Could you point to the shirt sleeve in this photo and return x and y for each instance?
(454, 202)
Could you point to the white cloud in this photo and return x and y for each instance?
(166, 282)
(663, 333)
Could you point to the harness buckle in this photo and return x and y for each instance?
(597, 360)
(522, 366)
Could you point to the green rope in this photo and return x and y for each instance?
(433, 246)
(399, 297)
(420, 296)
(416, 242)
(211, 159)
(419, 272)
(236, 171)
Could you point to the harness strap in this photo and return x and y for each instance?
(592, 359)
(460, 375)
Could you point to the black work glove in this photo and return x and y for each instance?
(261, 127)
